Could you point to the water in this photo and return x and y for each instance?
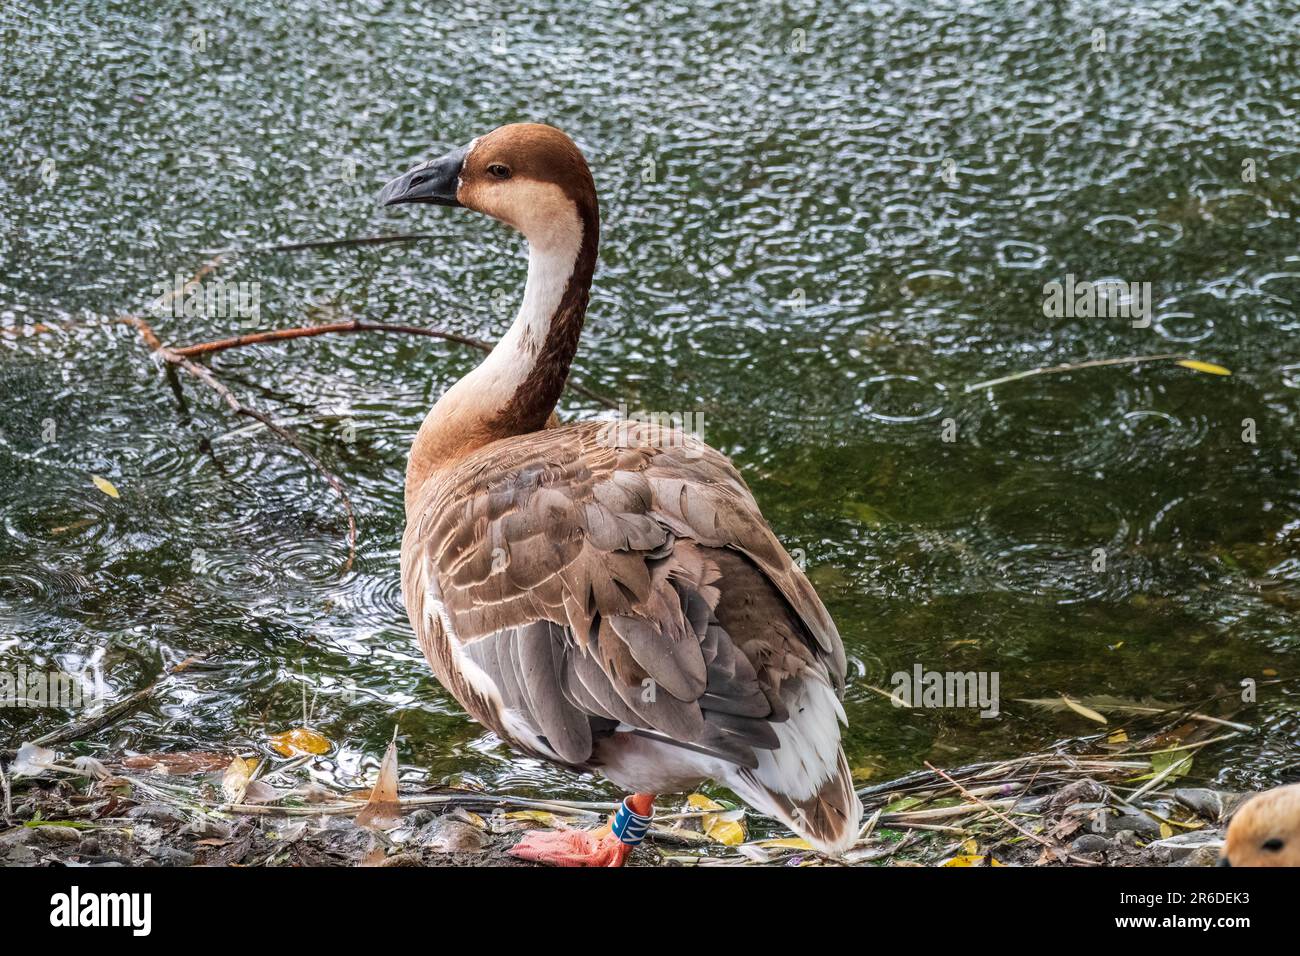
(820, 224)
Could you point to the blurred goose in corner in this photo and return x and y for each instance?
(606, 595)
(1265, 831)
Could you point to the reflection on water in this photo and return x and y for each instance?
(820, 225)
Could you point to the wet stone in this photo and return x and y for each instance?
(446, 835)
(1090, 843)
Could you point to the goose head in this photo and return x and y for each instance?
(1265, 831)
(531, 177)
(528, 175)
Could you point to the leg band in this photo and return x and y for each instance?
(629, 826)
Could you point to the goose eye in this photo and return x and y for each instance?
(499, 171)
(1273, 846)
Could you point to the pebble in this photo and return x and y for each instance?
(170, 856)
(57, 834)
(1090, 843)
(451, 836)
(156, 813)
(1139, 823)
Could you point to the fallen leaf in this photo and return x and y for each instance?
(1117, 737)
(902, 804)
(786, 843)
(106, 486)
(75, 526)
(1083, 711)
(719, 824)
(544, 817)
(234, 782)
(185, 762)
(299, 740)
(1102, 703)
(1181, 762)
(1160, 762)
(964, 860)
(259, 791)
(470, 817)
(382, 811)
(1208, 367)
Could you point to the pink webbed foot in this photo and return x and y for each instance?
(571, 848)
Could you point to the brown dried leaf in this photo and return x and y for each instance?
(185, 762)
(382, 811)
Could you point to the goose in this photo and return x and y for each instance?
(1265, 831)
(604, 595)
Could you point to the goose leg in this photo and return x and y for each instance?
(600, 847)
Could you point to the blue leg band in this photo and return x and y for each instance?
(629, 826)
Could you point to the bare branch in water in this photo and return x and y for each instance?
(183, 357)
(174, 357)
(333, 243)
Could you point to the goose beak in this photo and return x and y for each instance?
(434, 182)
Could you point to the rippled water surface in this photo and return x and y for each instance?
(821, 222)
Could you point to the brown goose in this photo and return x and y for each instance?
(603, 595)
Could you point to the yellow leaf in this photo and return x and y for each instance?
(300, 740)
(382, 811)
(1269, 672)
(1118, 737)
(970, 847)
(234, 782)
(715, 825)
(534, 816)
(726, 832)
(699, 801)
(788, 843)
(1208, 367)
(994, 862)
(1082, 711)
(106, 486)
(1166, 830)
(966, 860)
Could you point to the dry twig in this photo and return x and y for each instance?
(1082, 861)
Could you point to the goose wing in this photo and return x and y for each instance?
(611, 575)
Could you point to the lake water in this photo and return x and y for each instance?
(821, 222)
